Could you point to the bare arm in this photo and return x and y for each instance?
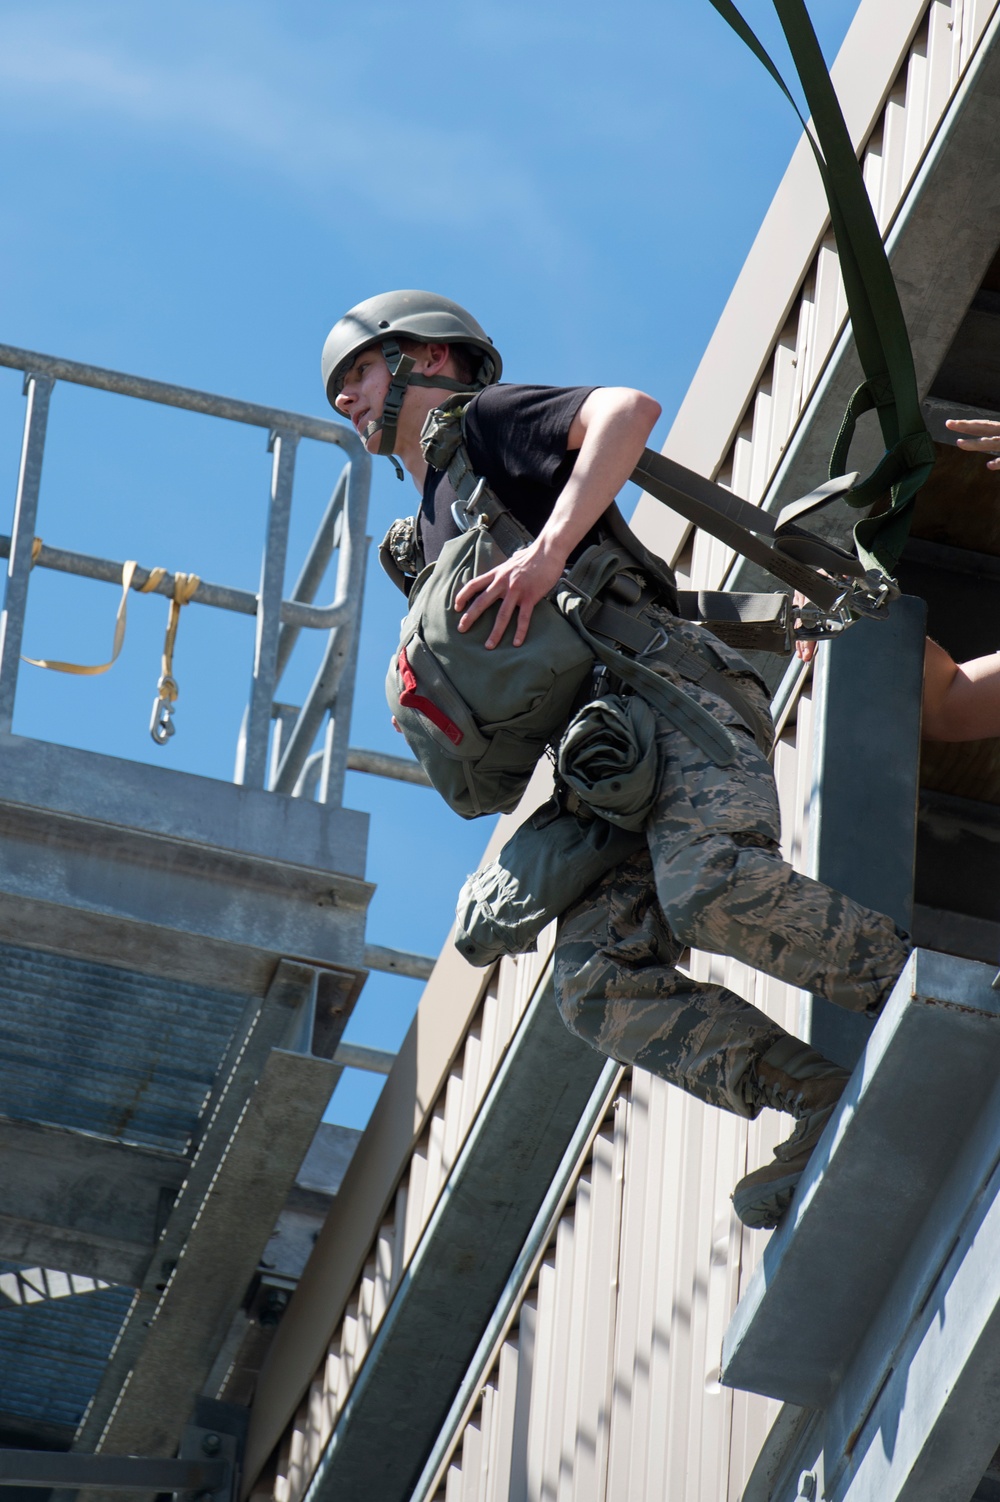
(610, 431)
(961, 700)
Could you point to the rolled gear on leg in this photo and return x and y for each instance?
(790, 1077)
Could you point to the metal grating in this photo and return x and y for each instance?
(97, 1049)
(52, 1353)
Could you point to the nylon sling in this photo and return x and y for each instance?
(879, 328)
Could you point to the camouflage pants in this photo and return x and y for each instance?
(713, 878)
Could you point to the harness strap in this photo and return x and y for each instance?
(729, 518)
(403, 375)
(748, 622)
(795, 556)
(677, 707)
(877, 321)
(693, 666)
(628, 630)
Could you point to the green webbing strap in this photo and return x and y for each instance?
(880, 335)
(677, 707)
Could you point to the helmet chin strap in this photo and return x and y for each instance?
(403, 375)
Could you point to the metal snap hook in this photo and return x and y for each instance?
(161, 721)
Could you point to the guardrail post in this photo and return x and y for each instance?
(38, 390)
(338, 725)
(251, 757)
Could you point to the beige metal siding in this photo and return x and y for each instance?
(426, 1172)
(607, 1387)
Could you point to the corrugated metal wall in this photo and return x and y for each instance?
(493, 1025)
(605, 1386)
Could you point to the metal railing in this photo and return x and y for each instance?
(292, 765)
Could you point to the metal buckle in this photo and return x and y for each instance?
(873, 595)
(661, 639)
(464, 513)
(870, 597)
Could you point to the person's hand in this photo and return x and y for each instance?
(980, 436)
(805, 651)
(518, 583)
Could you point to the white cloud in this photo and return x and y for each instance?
(325, 118)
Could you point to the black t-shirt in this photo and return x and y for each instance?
(515, 437)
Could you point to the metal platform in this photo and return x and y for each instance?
(179, 957)
(877, 1302)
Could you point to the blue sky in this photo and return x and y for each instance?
(196, 194)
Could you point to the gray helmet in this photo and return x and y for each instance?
(391, 316)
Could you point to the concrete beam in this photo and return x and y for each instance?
(196, 811)
(915, 1413)
(935, 1424)
(971, 370)
(219, 1256)
(421, 1071)
(184, 876)
(881, 1201)
(83, 1203)
(260, 1124)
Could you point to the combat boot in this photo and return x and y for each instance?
(790, 1077)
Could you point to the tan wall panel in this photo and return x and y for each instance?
(619, 1376)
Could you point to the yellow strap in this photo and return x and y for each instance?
(82, 669)
(184, 587)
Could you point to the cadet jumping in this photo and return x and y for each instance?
(517, 487)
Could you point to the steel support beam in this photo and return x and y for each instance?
(251, 759)
(48, 1468)
(863, 818)
(399, 961)
(260, 1125)
(359, 1056)
(380, 764)
(38, 390)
